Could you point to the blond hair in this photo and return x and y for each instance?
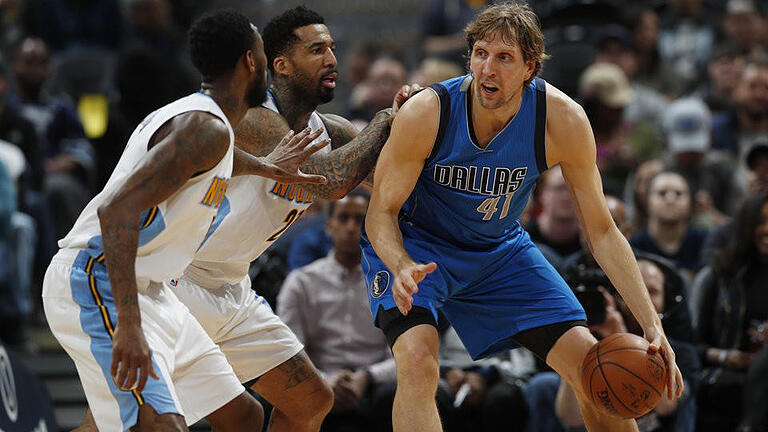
(517, 24)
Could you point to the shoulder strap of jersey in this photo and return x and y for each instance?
(541, 124)
(445, 115)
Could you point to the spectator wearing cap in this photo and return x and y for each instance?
(688, 128)
(718, 91)
(605, 93)
(643, 115)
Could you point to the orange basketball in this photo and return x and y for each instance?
(622, 378)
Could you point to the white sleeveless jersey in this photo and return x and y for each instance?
(173, 231)
(261, 210)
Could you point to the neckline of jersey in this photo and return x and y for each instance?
(468, 117)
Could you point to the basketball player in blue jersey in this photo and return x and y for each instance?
(142, 358)
(443, 229)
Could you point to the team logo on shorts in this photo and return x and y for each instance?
(380, 284)
(173, 282)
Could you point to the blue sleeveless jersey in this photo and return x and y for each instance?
(469, 196)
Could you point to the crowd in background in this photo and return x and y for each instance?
(677, 95)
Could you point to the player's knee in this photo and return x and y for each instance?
(313, 407)
(321, 401)
(150, 420)
(416, 365)
(241, 413)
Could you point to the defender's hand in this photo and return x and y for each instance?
(403, 95)
(290, 153)
(659, 343)
(406, 284)
(131, 358)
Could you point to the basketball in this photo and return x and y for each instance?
(622, 378)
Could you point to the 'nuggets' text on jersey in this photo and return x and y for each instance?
(503, 181)
(293, 193)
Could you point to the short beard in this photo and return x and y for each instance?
(256, 94)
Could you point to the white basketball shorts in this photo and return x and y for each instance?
(195, 378)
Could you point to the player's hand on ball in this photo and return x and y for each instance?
(131, 358)
(290, 153)
(406, 284)
(403, 95)
(659, 343)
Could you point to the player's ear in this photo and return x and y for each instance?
(282, 65)
(530, 66)
(250, 61)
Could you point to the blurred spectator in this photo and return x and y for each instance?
(17, 240)
(686, 40)
(652, 71)
(743, 26)
(735, 130)
(605, 93)
(434, 70)
(69, 157)
(443, 27)
(757, 166)
(670, 415)
(385, 77)
(726, 64)
(668, 233)
(688, 127)
(20, 132)
(326, 306)
(11, 26)
(358, 60)
(635, 192)
(643, 116)
(556, 228)
(73, 24)
(153, 68)
(732, 323)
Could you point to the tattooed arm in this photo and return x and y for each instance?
(352, 159)
(189, 143)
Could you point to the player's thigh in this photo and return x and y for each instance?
(567, 355)
(203, 378)
(295, 387)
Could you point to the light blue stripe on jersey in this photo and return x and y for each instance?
(98, 324)
(155, 227)
(221, 213)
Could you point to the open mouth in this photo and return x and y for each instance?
(489, 89)
(329, 80)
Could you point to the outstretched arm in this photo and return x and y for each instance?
(413, 134)
(571, 144)
(188, 144)
(354, 153)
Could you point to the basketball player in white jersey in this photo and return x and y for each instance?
(216, 286)
(143, 360)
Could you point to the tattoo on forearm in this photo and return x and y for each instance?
(347, 166)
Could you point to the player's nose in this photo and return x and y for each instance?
(330, 59)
